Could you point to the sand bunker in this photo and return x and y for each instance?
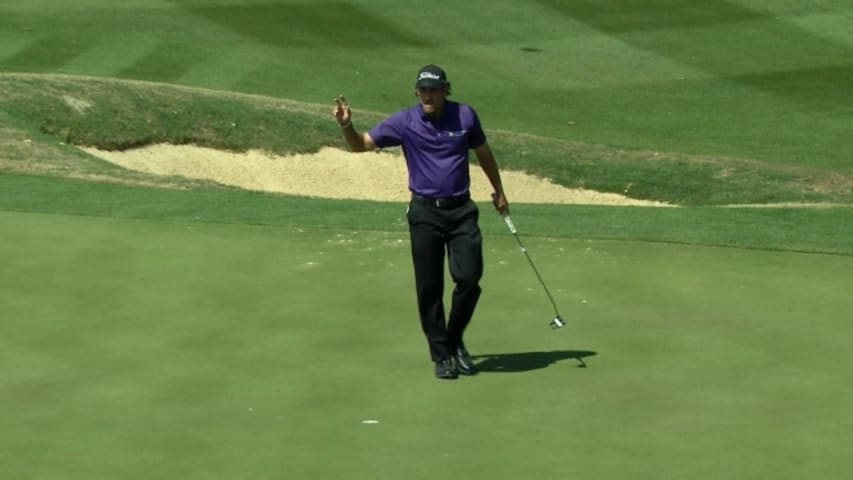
(334, 173)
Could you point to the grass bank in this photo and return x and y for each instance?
(115, 115)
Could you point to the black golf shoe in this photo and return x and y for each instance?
(464, 362)
(445, 370)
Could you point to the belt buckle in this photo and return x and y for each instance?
(439, 202)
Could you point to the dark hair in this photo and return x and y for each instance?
(447, 85)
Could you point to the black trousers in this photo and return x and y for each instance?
(435, 231)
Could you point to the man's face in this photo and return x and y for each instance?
(432, 99)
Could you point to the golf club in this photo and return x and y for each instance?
(558, 321)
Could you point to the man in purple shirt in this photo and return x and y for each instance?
(436, 135)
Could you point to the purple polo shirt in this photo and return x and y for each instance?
(436, 151)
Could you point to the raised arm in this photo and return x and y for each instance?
(358, 142)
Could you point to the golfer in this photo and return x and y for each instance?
(436, 135)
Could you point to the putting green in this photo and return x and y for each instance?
(220, 351)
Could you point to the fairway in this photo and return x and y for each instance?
(160, 319)
(200, 350)
(742, 78)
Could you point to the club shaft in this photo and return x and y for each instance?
(514, 232)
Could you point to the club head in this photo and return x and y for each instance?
(557, 322)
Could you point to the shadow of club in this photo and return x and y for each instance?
(527, 361)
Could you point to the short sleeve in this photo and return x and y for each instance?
(389, 132)
(476, 136)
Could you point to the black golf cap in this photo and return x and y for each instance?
(431, 76)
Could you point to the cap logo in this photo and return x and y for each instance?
(428, 75)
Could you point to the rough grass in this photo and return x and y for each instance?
(53, 113)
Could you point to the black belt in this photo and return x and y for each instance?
(445, 202)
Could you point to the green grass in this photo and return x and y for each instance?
(739, 79)
(788, 229)
(178, 329)
(221, 351)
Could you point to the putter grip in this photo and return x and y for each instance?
(510, 225)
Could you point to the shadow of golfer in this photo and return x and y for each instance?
(526, 361)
